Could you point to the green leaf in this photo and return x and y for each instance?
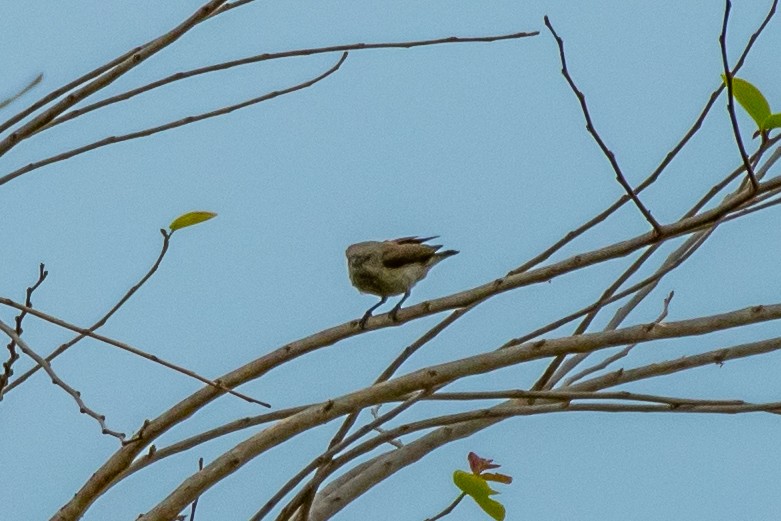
(772, 121)
(190, 219)
(472, 484)
(492, 508)
(478, 489)
(751, 99)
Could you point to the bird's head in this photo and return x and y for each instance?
(359, 253)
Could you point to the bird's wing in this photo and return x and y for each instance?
(396, 255)
(412, 240)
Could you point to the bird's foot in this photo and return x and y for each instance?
(362, 322)
(394, 314)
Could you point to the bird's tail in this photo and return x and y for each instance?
(442, 255)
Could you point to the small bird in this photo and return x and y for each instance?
(393, 267)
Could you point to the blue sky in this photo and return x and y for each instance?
(482, 144)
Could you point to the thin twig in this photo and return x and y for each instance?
(621, 354)
(167, 126)
(13, 356)
(4, 103)
(322, 462)
(606, 298)
(674, 259)
(565, 396)
(448, 509)
(65, 88)
(105, 79)
(130, 349)
(97, 72)
(153, 456)
(719, 357)
(195, 503)
(411, 349)
(375, 412)
(728, 75)
(651, 179)
(756, 208)
(59, 382)
(596, 305)
(97, 325)
(611, 157)
(274, 56)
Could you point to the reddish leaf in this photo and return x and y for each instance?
(478, 464)
(501, 478)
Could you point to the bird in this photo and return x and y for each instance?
(392, 267)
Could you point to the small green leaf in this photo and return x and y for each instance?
(472, 484)
(772, 121)
(478, 489)
(190, 219)
(751, 99)
(491, 507)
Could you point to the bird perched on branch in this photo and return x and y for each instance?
(393, 267)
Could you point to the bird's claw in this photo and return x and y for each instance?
(362, 322)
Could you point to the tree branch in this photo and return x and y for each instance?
(275, 56)
(217, 384)
(97, 325)
(109, 76)
(168, 126)
(13, 356)
(611, 157)
(59, 382)
(728, 75)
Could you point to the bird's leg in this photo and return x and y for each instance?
(395, 311)
(362, 323)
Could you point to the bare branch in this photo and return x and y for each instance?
(195, 503)
(65, 88)
(321, 464)
(275, 56)
(153, 456)
(606, 298)
(716, 356)
(97, 325)
(27, 88)
(217, 384)
(611, 157)
(394, 366)
(13, 356)
(168, 126)
(570, 396)
(97, 72)
(554, 372)
(651, 179)
(459, 425)
(621, 354)
(59, 382)
(728, 75)
(109, 76)
(431, 377)
(448, 509)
